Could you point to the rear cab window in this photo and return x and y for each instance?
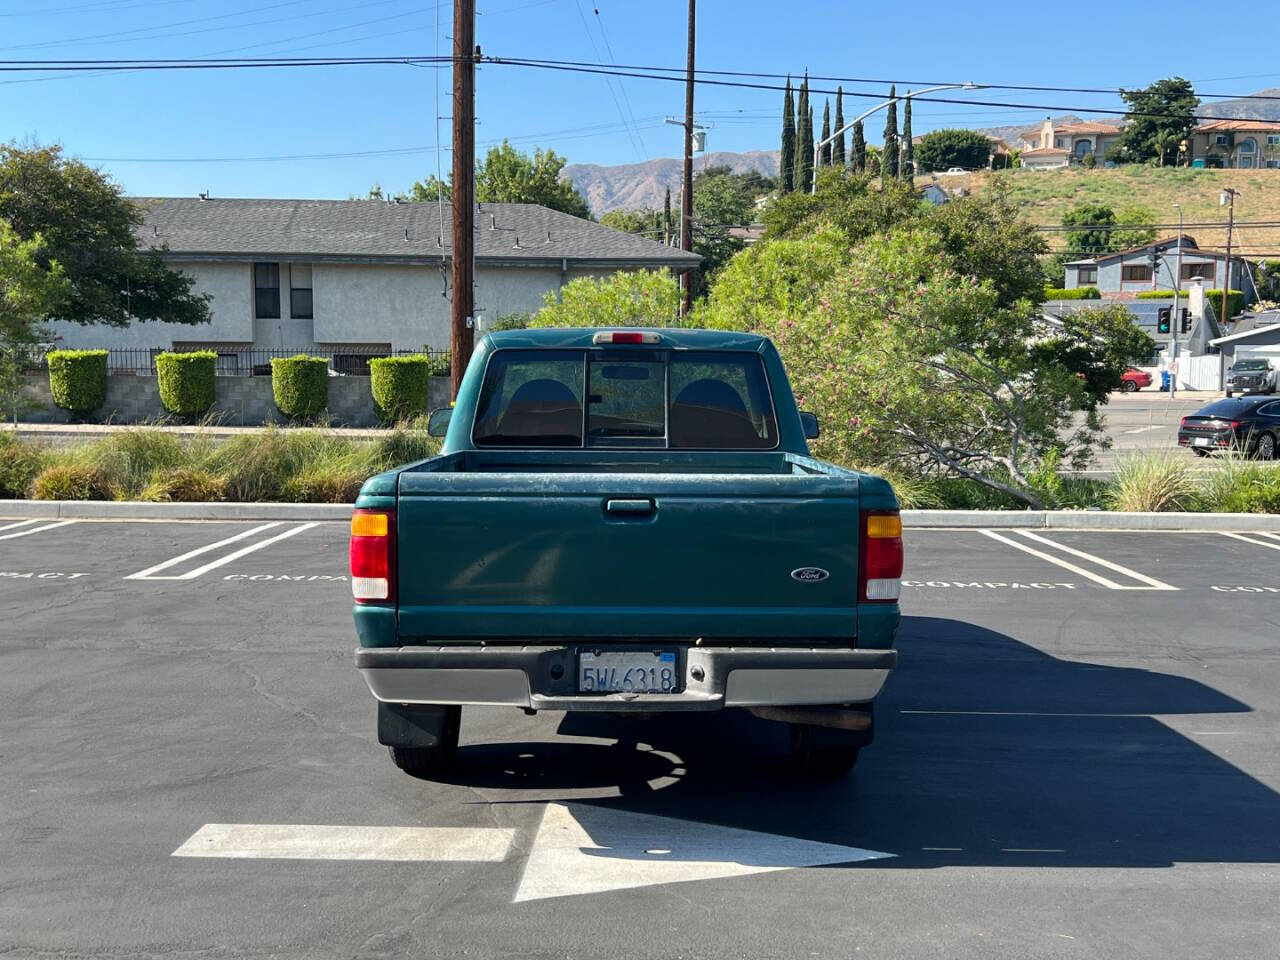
(637, 398)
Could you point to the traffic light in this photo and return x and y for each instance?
(1164, 316)
(1185, 320)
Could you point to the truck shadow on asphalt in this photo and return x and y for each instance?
(988, 753)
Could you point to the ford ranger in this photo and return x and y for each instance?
(626, 521)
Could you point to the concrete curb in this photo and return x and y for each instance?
(912, 519)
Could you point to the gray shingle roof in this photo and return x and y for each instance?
(516, 233)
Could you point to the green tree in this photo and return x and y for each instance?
(88, 226)
(803, 179)
(1161, 116)
(721, 200)
(640, 298)
(666, 217)
(430, 190)
(907, 166)
(825, 155)
(787, 162)
(858, 149)
(1092, 225)
(645, 222)
(837, 147)
(506, 175)
(889, 156)
(32, 287)
(943, 149)
(1139, 226)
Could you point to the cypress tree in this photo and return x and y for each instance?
(787, 162)
(809, 172)
(837, 145)
(826, 132)
(907, 168)
(889, 156)
(858, 149)
(666, 218)
(804, 146)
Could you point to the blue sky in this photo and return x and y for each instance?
(118, 119)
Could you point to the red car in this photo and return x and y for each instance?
(1134, 379)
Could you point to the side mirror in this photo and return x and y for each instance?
(809, 421)
(438, 421)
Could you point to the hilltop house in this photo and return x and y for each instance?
(1054, 146)
(361, 276)
(1244, 144)
(1126, 273)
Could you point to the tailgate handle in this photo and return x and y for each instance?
(629, 507)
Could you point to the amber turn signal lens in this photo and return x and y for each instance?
(369, 525)
(881, 526)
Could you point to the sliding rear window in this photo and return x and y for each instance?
(637, 398)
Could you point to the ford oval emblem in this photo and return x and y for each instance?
(809, 574)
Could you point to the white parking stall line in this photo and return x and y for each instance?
(213, 565)
(297, 841)
(30, 530)
(1257, 543)
(1058, 561)
(149, 573)
(20, 523)
(1151, 582)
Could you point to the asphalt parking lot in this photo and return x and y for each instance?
(1079, 756)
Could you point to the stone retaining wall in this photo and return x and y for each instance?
(238, 401)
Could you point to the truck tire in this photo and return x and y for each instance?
(428, 762)
(824, 753)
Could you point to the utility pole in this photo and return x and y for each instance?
(462, 337)
(1228, 196)
(686, 193)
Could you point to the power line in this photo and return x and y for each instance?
(644, 150)
(612, 93)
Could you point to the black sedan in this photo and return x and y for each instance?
(1245, 424)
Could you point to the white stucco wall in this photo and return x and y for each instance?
(353, 303)
(231, 285)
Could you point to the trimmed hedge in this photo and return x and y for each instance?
(300, 385)
(1235, 299)
(400, 385)
(186, 381)
(1079, 293)
(78, 379)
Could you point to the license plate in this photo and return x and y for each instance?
(1203, 442)
(627, 671)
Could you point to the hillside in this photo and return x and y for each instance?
(631, 186)
(1254, 109)
(1046, 195)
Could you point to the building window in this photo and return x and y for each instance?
(300, 291)
(1059, 143)
(1273, 164)
(1273, 140)
(1222, 140)
(1087, 276)
(1136, 272)
(266, 291)
(1248, 146)
(1198, 271)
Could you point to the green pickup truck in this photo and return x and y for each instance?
(626, 521)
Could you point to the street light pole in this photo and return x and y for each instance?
(817, 149)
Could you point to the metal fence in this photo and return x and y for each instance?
(256, 362)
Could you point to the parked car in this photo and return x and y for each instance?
(1134, 379)
(1251, 376)
(954, 171)
(1249, 425)
(629, 522)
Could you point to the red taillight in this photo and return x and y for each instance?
(373, 555)
(880, 556)
(1184, 423)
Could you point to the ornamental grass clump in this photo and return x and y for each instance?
(1152, 483)
(1236, 484)
(20, 461)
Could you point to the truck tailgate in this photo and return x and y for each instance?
(626, 555)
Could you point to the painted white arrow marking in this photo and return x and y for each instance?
(582, 849)
(300, 841)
